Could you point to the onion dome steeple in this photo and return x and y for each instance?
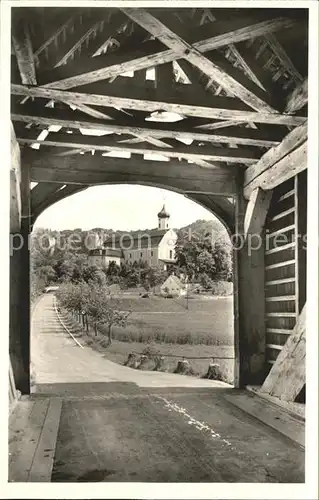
(163, 217)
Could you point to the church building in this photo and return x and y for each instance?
(156, 247)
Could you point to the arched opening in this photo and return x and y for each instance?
(188, 319)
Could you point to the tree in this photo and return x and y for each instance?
(94, 273)
(97, 302)
(199, 254)
(155, 276)
(46, 274)
(105, 310)
(74, 297)
(113, 316)
(222, 253)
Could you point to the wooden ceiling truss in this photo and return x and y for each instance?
(217, 90)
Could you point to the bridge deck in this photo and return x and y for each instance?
(139, 426)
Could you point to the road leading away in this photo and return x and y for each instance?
(120, 424)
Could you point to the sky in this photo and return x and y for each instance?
(121, 207)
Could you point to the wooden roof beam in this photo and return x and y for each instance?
(292, 141)
(278, 164)
(89, 170)
(213, 108)
(298, 97)
(152, 53)
(194, 56)
(75, 120)
(206, 153)
(88, 110)
(289, 166)
(21, 41)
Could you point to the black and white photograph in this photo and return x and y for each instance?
(163, 248)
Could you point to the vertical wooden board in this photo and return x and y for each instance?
(22, 458)
(41, 469)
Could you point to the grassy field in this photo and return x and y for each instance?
(204, 330)
(167, 321)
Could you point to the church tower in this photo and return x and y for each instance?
(163, 218)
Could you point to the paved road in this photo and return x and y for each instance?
(119, 424)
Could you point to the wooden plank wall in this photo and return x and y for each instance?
(285, 262)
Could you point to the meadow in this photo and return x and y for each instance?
(167, 328)
(207, 321)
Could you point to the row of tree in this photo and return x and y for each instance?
(93, 303)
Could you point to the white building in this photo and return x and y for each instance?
(152, 246)
(173, 286)
(101, 257)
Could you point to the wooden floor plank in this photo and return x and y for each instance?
(23, 455)
(41, 469)
(17, 423)
(270, 415)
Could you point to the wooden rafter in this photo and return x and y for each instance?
(60, 31)
(235, 100)
(283, 56)
(82, 31)
(75, 120)
(246, 63)
(21, 41)
(195, 57)
(215, 107)
(88, 110)
(151, 53)
(298, 97)
(191, 152)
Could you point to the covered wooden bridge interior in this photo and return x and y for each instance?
(211, 103)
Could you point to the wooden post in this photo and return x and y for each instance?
(25, 276)
(20, 291)
(250, 335)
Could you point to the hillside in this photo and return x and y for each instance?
(80, 241)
